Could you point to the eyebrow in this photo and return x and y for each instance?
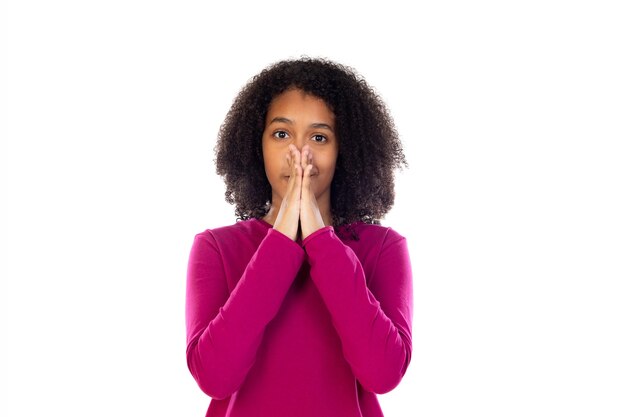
(290, 122)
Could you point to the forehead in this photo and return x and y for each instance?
(295, 102)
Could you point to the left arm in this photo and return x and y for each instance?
(373, 323)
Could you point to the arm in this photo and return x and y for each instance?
(374, 324)
(225, 330)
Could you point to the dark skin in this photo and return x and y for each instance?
(370, 149)
(300, 152)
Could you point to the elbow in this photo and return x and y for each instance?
(213, 390)
(382, 384)
(387, 376)
(209, 377)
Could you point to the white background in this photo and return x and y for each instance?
(513, 119)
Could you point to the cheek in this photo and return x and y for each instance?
(274, 169)
(269, 161)
(327, 164)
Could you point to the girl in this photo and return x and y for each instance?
(303, 307)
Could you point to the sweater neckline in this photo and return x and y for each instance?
(269, 226)
(339, 230)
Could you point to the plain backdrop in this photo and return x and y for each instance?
(512, 115)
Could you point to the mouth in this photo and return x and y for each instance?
(289, 176)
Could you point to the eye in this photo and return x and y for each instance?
(319, 138)
(281, 134)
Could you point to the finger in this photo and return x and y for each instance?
(295, 182)
(305, 156)
(308, 158)
(290, 183)
(299, 172)
(298, 183)
(306, 181)
(297, 155)
(292, 155)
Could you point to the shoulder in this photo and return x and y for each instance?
(240, 227)
(238, 232)
(374, 241)
(368, 233)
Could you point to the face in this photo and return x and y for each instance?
(295, 117)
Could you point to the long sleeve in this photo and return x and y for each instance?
(224, 330)
(372, 320)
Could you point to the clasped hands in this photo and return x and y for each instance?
(299, 207)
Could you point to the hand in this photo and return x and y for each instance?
(310, 216)
(287, 219)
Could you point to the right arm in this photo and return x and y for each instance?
(225, 330)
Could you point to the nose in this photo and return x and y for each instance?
(300, 144)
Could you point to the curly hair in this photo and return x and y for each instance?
(362, 188)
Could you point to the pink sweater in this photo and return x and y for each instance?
(307, 328)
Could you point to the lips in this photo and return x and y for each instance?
(289, 176)
(314, 174)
